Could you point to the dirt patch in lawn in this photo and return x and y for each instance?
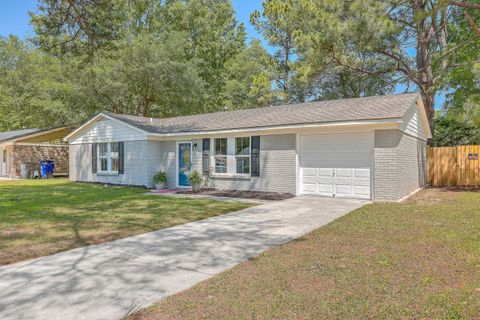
(240, 194)
(419, 259)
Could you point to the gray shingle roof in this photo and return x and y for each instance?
(8, 135)
(356, 109)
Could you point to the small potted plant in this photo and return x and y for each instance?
(196, 180)
(160, 180)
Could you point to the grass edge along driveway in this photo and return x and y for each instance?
(419, 259)
(43, 217)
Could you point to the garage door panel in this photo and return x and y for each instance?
(343, 190)
(362, 191)
(309, 172)
(343, 173)
(362, 173)
(325, 172)
(336, 165)
(325, 189)
(309, 187)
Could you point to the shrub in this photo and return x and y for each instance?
(195, 179)
(160, 177)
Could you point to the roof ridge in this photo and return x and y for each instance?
(278, 106)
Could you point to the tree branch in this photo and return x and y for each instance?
(465, 5)
(471, 23)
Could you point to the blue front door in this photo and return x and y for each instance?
(184, 163)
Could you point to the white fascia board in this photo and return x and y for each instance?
(35, 134)
(393, 121)
(424, 117)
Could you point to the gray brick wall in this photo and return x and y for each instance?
(399, 165)
(277, 167)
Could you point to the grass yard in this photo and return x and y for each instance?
(42, 217)
(418, 259)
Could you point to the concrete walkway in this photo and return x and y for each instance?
(111, 280)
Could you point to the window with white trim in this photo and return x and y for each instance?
(108, 157)
(220, 152)
(242, 155)
(103, 157)
(231, 156)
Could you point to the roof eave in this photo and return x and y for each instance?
(32, 134)
(393, 121)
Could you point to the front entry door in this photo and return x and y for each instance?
(184, 163)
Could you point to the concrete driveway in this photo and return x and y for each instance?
(111, 280)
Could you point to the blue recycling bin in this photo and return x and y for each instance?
(46, 168)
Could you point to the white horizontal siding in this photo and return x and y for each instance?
(412, 124)
(141, 159)
(107, 130)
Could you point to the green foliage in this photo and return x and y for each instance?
(277, 24)
(175, 57)
(149, 58)
(36, 89)
(451, 132)
(80, 26)
(463, 102)
(145, 77)
(160, 177)
(195, 178)
(303, 67)
(248, 78)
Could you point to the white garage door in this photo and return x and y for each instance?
(337, 165)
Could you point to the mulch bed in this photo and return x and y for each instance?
(240, 194)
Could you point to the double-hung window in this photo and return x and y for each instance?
(232, 156)
(108, 157)
(103, 157)
(220, 155)
(242, 155)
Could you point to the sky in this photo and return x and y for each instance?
(14, 19)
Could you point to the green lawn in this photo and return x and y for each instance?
(42, 217)
(418, 259)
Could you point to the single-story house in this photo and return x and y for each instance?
(369, 148)
(22, 149)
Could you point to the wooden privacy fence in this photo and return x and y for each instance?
(454, 166)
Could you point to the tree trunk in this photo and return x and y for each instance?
(429, 103)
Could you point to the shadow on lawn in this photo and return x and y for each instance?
(55, 216)
(129, 273)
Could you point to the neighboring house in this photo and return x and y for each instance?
(369, 148)
(28, 147)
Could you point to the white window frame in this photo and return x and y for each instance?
(108, 157)
(237, 156)
(215, 156)
(231, 157)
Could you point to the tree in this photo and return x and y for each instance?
(390, 31)
(276, 23)
(463, 74)
(449, 131)
(146, 57)
(76, 26)
(145, 77)
(35, 88)
(249, 78)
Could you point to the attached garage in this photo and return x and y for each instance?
(336, 165)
